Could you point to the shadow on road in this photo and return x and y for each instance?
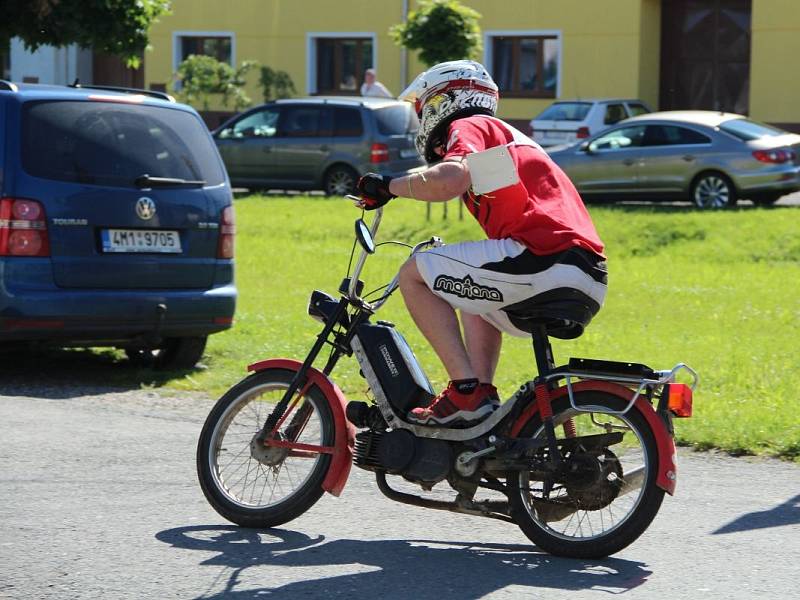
(787, 513)
(392, 568)
(60, 374)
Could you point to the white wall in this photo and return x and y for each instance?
(50, 65)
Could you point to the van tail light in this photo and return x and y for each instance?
(582, 133)
(227, 233)
(776, 156)
(379, 153)
(680, 399)
(23, 228)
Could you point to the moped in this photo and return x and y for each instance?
(579, 457)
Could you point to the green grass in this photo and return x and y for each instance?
(717, 290)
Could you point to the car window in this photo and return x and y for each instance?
(747, 130)
(619, 139)
(565, 111)
(303, 121)
(111, 143)
(614, 114)
(347, 122)
(396, 120)
(669, 135)
(263, 123)
(635, 109)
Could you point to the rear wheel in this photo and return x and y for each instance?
(176, 354)
(609, 497)
(257, 485)
(340, 180)
(713, 190)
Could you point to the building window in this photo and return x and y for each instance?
(217, 46)
(526, 65)
(340, 64)
(5, 61)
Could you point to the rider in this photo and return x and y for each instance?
(541, 237)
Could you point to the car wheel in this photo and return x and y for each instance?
(180, 353)
(340, 181)
(713, 190)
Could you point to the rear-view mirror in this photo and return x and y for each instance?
(364, 236)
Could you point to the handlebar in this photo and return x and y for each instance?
(433, 242)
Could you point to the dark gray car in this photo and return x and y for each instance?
(712, 158)
(319, 143)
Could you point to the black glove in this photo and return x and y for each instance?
(374, 190)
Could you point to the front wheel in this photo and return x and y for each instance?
(257, 485)
(606, 496)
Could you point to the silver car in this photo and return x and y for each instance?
(319, 143)
(712, 158)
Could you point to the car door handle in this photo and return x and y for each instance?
(266, 149)
(628, 162)
(687, 157)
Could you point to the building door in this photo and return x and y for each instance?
(705, 55)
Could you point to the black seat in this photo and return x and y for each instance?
(564, 313)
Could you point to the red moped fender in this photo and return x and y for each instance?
(344, 431)
(667, 458)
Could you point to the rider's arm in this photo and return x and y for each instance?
(445, 181)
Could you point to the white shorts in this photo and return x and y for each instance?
(484, 277)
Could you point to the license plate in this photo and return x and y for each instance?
(141, 240)
(557, 135)
(408, 153)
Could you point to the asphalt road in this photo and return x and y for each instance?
(98, 499)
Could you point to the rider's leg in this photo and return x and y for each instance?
(437, 321)
(483, 341)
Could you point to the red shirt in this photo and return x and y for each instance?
(544, 212)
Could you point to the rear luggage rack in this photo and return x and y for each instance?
(626, 373)
(124, 90)
(8, 86)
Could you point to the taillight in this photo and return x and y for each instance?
(379, 153)
(680, 399)
(582, 133)
(227, 231)
(776, 156)
(23, 228)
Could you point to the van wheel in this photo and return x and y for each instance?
(340, 181)
(179, 354)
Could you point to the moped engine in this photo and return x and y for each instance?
(400, 452)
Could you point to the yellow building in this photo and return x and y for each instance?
(736, 55)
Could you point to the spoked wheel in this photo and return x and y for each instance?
(258, 485)
(606, 496)
(713, 190)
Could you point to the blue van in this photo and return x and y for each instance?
(116, 223)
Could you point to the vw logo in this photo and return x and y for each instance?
(145, 208)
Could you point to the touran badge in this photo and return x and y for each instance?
(145, 208)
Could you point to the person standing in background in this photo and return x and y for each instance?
(373, 87)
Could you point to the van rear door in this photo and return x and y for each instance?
(129, 191)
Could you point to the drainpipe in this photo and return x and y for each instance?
(404, 53)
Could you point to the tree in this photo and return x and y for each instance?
(113, 26)
(441, 30)
(276, 84)
(201, 76)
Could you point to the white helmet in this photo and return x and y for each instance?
(448, 91)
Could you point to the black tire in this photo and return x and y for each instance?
(218, 480)
(648, 497)
(713, 190)
(178, 354)
(340, 180)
